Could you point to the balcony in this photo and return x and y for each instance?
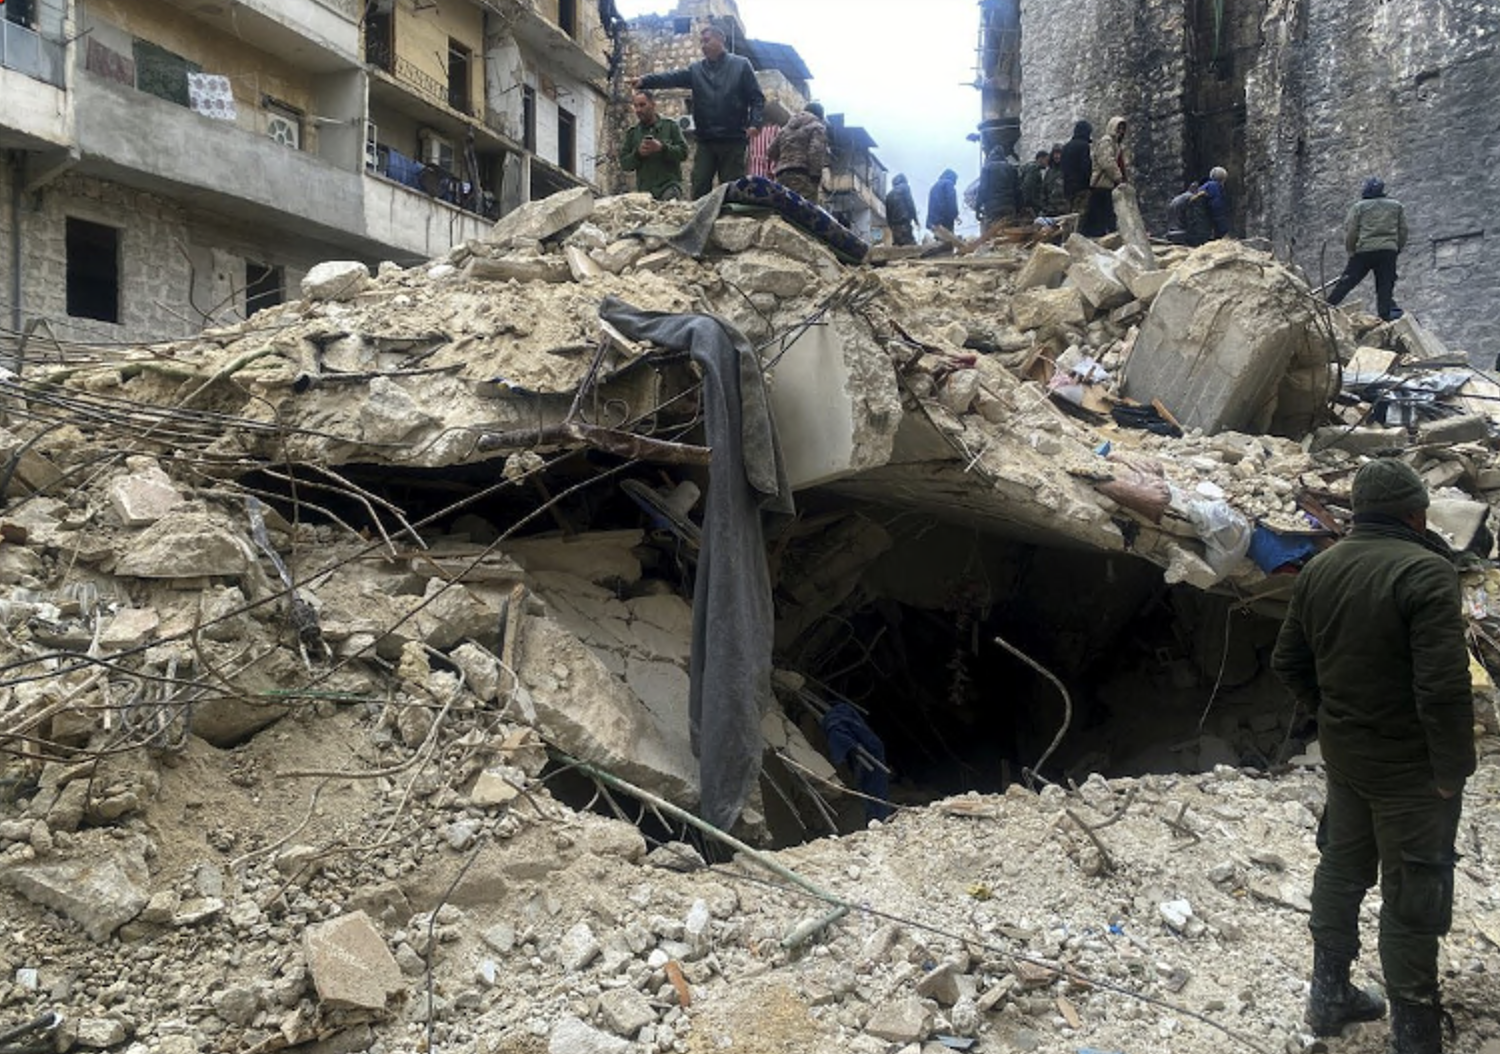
(135, 138)
(321, 36)
(29, 53)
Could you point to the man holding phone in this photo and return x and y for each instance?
(654, 149)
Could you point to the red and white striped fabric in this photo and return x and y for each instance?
(757, 163)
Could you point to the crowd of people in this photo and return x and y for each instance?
(1080, 176)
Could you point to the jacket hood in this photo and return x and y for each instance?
(899, 181)
(803, 119)
(1082, 130)
(948, 176)
(1112, 129)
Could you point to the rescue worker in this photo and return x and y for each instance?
(942, 202)
(1033, 173)
(1054, 194)
(1374, 641)
(900, 212)
(1077, 166)
(727, 106)
(654, 149)
(800, 153)
(999, 197)
(1110, 170)
(1374, 233)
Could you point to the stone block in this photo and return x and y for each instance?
(521, 268)
(497, 786)
(1417, 341)
(572, 1036)
(1040, 308)
(1096, 279)
(1219, 339)
(1044, 268)
(143, 497)
(1359, 440)
(351, 967)
(227, 722)
(901, 1020)
(129, 628)
(335, 280)
(581, 264)
(100, 890)
(1463, 428)
(762, 272)
(625, 1011)
(780, 238)
(185, 544)
(1144, 285)
(541, 219)
(734, 234)
(617, 256)
(1132, 227)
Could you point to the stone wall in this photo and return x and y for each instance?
(1300, 101)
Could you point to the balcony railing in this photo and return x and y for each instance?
(26, 51)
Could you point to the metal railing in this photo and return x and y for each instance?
(26, 51)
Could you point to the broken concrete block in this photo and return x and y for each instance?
(780, 238)
(902, 1020)
(129, 628)
(581, 264)
(1219, 339)
(185, 544)
(33, 470)
(100, 1033)
(1417, 341)
(572, 1036)
(350, 965)
(143, 497)
(1040, 308)
(617, 256)
(481, 670)
(541, 219)
(1359, 440)
(1096, 279)
(960, 390)
(604, 557)
(734, 234)
(1462, 428)
(660, 260)
(521, 268)
(335, 280)
(1044, 268)
(625, 1011)
(497, 786)
(1144, 285)
(762, 272)
(1128, 313)
(390, 413)
(453, 612)
(1368, 364)
(1132, 227)
(226, 721)
(1457, 520)
(101, 889)
(1442, 474)
(941, 983)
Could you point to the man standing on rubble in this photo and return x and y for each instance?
(1110, 169)
(1374, 640)
(654, 150)
(1374, 233)
(727, 106)
(942, 202)
(999, 198)
(800, 153)
(900, 212)
(1078, 165)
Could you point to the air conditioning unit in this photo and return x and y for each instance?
(436, 150)
(372, 146)
(284, 130)
(685, 122)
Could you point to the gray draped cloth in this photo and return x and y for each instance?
(732, 616)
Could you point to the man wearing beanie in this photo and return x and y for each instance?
(1374, 642)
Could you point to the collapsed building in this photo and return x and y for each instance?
(1027, 508)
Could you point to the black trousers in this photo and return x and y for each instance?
(1383, 263)
(1099, 216)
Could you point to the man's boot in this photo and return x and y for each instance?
(1416, 1028)
(1333, 1001)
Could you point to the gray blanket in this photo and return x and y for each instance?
(732, 617)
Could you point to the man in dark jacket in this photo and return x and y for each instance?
(1033, 173)
(727, 104)
(1078, 166)
(942, 202)
(654, 150)
(1374, 232)
(999, 198)
(1054, 196)
(1374, 640)
(900, 212)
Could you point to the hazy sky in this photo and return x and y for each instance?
(902, 69)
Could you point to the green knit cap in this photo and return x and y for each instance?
(1389, 486)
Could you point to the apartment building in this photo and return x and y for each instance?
(173, 163)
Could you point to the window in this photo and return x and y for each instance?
(265, 286)
(93, 270)
(18, 11)
(283, 123)
(380, 34)
(567, 16)
(567, 140)
(459, 62)
(162, 73)
(528, 118)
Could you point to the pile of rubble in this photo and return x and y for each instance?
(314, 624)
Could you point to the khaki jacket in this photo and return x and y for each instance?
(1374, 224)
(1110, 162)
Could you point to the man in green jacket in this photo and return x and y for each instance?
(654, 149)
(1374, 640)
(1374, 232)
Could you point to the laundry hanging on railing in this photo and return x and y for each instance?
(211, 95)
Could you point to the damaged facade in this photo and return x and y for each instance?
(171, 165)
